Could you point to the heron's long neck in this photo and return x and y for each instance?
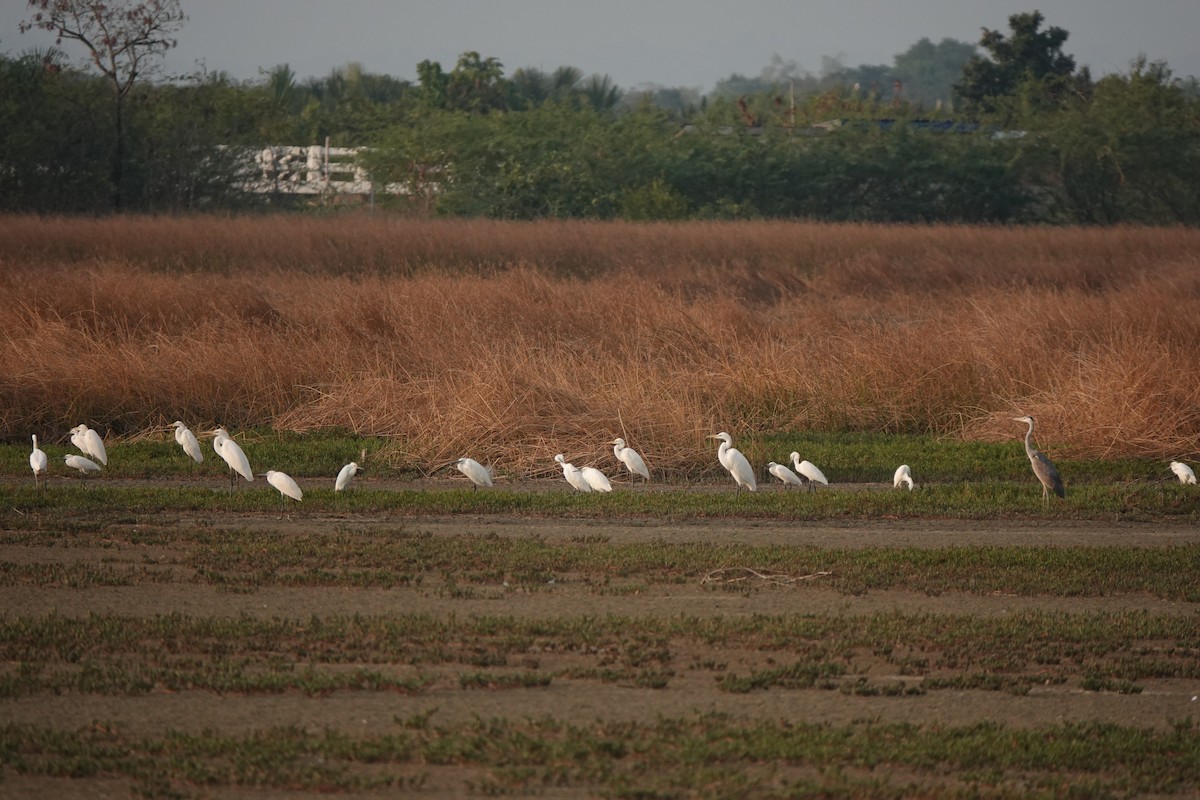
(1029, 441)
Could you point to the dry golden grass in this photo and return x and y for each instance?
(515, 341)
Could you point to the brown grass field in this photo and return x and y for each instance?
(167, 639)
(512, 338)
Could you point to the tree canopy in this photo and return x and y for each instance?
(1027, 56)
(124, 40)
(1023, 137)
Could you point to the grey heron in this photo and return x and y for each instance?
(1043, 467)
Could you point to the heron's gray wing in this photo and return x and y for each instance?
(1047, 473)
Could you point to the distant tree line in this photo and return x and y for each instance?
(1010, 131)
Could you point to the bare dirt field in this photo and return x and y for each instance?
(575, 694)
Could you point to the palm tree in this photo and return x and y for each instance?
(601, 93)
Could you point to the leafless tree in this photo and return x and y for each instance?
(124, 40)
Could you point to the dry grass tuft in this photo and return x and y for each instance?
(516, 341)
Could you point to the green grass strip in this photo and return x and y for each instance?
(252, 559)
(845, 457)
(1109, 502)
(707, 756)
(132, 655)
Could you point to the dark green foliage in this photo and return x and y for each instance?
(1028, 55)
(55, 152)
(1030, 140)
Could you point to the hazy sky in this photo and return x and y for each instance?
(692, 43)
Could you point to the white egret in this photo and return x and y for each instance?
(89, 443)
(478, 473)
(39, 463)
(1043, 467)
(808, 470)
(630, 458)
(284, 483)
(78, 439)
(345, 475)
(83, 464)
(784, 474)
(732, 460)
(286, 486)
(228, 450)
(187, 440)
(573, 474)
(903, 477)
(595, 479)
(1181, 470)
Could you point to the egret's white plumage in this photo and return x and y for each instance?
(89, 443)
(228, 450)
(784, 474)
(595, 479)
(81, 463)
(284, 483)
(77, 437)
(478, 473)
(903, 477)
(39, 463)
(1181, 470)
(808, 470)
(732, 460)
(187, 440)
(573, 474)
(630, 458)
(345, 475)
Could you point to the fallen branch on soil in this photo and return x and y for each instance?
(729, 575)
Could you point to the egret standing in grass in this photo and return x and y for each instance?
(345, 475)
(732, 460)
(1043, 467)
(595, 479)
(809, 471)
(573, 474)
(478, 474)
(286, 486)
(1181, 470)
(903, 477)
(228, 450)
(89, 443)
(630, 458)
(187, 440)
(784, 474)
(83, 464)
(39, 463)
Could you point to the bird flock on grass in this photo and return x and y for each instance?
(93, 457)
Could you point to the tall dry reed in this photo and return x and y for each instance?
(513, 342)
